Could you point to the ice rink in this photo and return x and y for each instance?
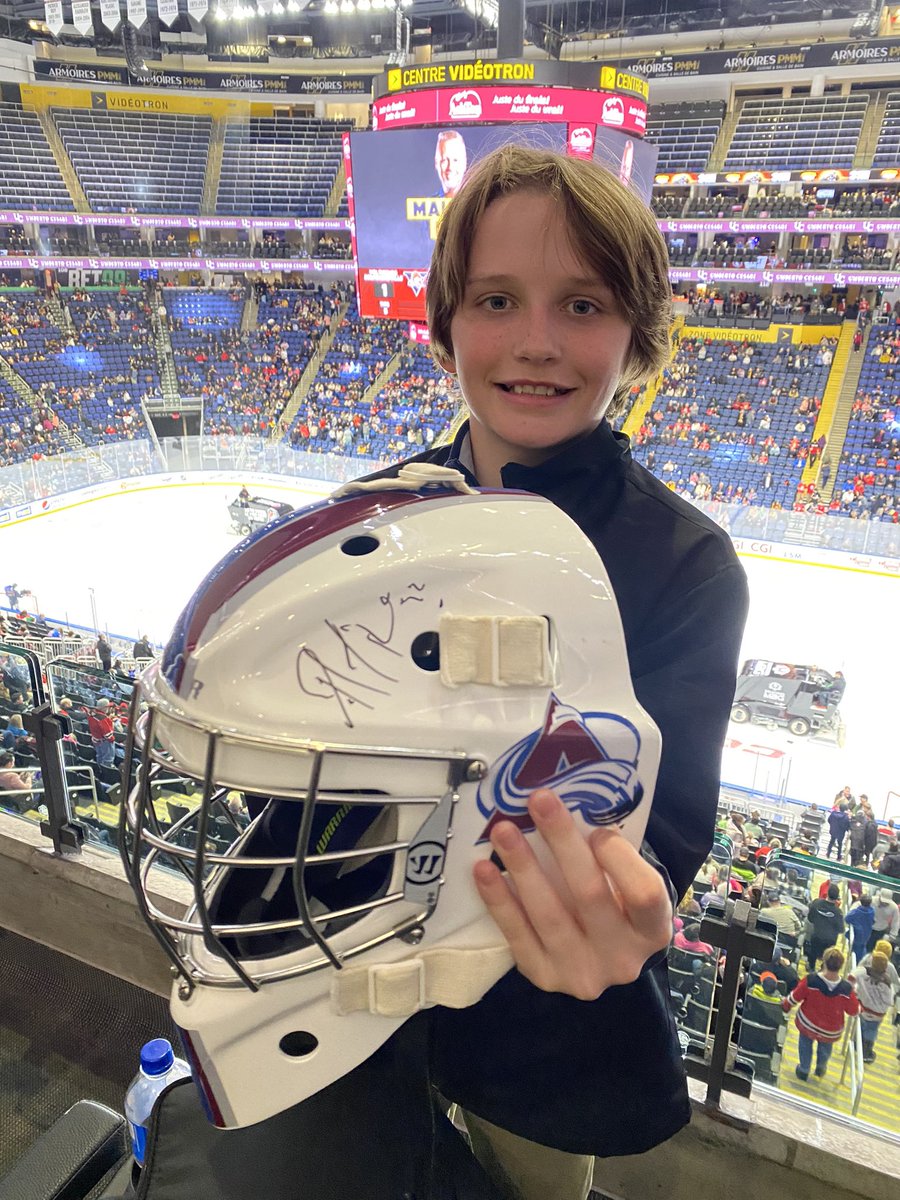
(144, 552)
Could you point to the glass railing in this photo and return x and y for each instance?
(21, 690)
(24, 483)
(841, 1077)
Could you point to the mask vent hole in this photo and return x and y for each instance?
(426, 651)
(357, 546)
(298, 1044)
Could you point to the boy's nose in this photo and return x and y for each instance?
(538, 337)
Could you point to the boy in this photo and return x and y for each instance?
(548, 299)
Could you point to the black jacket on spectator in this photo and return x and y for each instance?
(605, 1077)
(890, 865)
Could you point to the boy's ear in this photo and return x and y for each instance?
(447, 364)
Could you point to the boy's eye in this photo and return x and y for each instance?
(584, 308)
(495, 303)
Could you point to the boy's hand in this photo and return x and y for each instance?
(618, 917)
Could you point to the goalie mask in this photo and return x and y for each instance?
(379, 678)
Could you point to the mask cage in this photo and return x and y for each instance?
(144, 840)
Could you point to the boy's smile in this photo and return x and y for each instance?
(538, 343)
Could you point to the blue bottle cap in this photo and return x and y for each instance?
(157, 1056)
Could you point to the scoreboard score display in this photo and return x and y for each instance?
(429, 124)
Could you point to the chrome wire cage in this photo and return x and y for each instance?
(144, 841)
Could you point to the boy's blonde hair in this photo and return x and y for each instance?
(609, 226)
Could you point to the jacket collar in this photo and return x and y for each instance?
(601, 452)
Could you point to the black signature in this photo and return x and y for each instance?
(364, 670)
(318, 679)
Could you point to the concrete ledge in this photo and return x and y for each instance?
(82, 906)
(764, 1145)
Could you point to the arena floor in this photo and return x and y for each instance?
(143, 553)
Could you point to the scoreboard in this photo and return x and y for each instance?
(403, 173)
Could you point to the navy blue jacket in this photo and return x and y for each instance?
(605, 1077)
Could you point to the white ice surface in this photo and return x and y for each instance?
(144, 553)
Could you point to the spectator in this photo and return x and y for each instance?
(838, 825)
(785, 917)
(860, 920)
(14, 731)
(766, 991)
(142, 648)
(103, 738)
(887, 919)
(11, 781)
(752, 827)
(825, 999)
(104, 653)
(825, 924)
(875, 990)
(689, 939)
(858, 822)
(889, 865)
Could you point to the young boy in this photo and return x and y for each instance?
(548, 299)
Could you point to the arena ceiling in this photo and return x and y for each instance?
(454, 26)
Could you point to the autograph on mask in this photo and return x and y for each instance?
(361, 663)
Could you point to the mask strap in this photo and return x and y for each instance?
(452, 977)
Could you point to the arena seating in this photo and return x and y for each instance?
(734, 421)
(332, 416)
(246, 379)
(414, 408)
(279, 165)
(685, 133)
(887, 150)
(93, 380)
(137, 162)
(31, 178)
(796, 132)
(867, 482)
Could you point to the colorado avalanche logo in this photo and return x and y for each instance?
(589, 759)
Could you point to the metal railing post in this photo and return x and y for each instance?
(48, 730)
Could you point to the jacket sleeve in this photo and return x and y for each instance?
(684, 675)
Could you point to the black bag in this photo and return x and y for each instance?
(376, 1134)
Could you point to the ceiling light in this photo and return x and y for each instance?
(347, 6)
(331, 7)
(363, 5)
(281, 39)
(278, 8)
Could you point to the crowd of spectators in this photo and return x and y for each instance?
(333, 417)
(867, 485)
(733, 421)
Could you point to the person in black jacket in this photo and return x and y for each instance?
(838, 825)
(890, 861)
(548, 299)
(825, 924)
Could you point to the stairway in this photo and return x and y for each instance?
(250, 312)
(871, 128)
(59, 312)
(338, 188)
(837, 405)
(23, 390)
(168, 376)
(726, 133)
(644, 402)
(386, 375)
(213, 166)
(66, 169)
(310, 371)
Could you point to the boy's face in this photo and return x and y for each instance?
(534, 317)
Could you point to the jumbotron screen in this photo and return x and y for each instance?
(399, 183)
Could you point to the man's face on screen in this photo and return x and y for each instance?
(450, 161)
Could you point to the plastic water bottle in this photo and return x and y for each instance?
(159, 1068)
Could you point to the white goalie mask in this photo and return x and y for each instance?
(381, 677)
